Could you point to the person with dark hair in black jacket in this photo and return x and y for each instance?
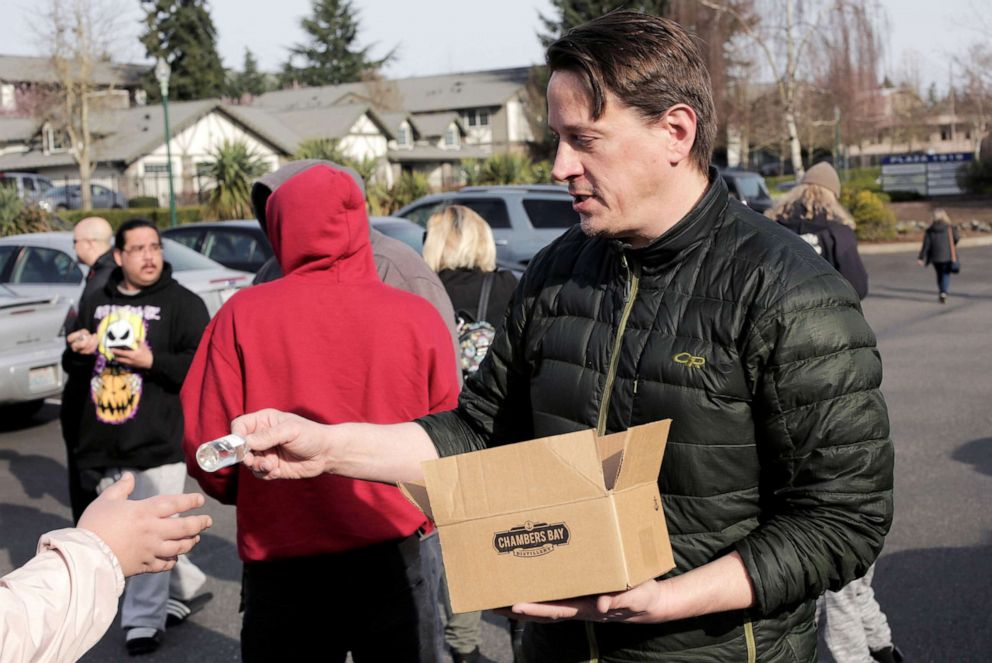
(940, 250)
(670, 300)
(132, 344)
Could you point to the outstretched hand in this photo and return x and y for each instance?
(281, 445)
(143, 533)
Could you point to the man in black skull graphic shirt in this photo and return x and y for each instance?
(133, 344)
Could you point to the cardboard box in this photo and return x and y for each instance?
(553, 518)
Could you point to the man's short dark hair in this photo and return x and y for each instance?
(649, 63)
(129, 225)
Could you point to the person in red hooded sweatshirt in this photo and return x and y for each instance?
(334, 561)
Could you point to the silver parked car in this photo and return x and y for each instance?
(32, 338)
(45, 263)
(59, 198)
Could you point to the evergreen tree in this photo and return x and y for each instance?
(182, 32)
(329, 56)
(249, 81)
(570, 13)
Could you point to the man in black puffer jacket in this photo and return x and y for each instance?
(671, 301)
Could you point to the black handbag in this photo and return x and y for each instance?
(955, 263)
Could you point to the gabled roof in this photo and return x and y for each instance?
(395, 120)
(422, 94)
(330, 122)
(35, 69)
(433, 125)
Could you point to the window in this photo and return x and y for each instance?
(404, 137)
(41, 265)
(550, 213)
(483, 118)
(451, 137)
(469, 117)
(6, 253)
(7, 96)
(156, 168)
(55, 140)
(28, 184)
(493, 210)
(946, 131)
(226, 246)
(190, 238)
(98, 190)
(419, 215)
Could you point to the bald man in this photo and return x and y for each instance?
(93, 239)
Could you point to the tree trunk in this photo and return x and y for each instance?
(795, 148)
(85, 165)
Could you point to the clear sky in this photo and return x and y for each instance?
(436, 36)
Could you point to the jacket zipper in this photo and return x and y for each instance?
(752, 650)
(631, 279)
(629, 295)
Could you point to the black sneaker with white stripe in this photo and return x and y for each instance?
(179, 610)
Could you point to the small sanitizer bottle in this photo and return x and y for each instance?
(222, 452)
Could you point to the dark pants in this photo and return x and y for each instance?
(80, 493)
(943, 270)
(373, 602)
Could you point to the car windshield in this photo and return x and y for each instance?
(183, 259)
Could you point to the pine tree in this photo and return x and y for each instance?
(570, 13)
(182, 32)
(249, 81)
(330, 56)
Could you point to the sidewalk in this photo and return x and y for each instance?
(865, 248)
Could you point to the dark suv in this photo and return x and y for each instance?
(524, 218)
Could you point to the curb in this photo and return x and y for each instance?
(908, 247)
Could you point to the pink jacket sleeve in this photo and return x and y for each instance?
(59, 604)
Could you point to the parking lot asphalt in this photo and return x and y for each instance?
(933, 579)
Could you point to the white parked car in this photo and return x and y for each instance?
(45, 263)
(32, 338)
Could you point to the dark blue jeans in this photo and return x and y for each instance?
(943, 270)
(373, 602)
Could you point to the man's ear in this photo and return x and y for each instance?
(680, 125)
(117, 257)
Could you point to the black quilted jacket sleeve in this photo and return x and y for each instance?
(827, 459)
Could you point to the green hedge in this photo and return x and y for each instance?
(159, 215)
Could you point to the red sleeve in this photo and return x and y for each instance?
(212, 396)
(444, 375)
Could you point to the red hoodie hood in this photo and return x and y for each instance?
(316, 221)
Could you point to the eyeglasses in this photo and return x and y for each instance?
(150, 249)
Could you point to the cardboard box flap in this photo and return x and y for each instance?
(642, 455)
(416, 493)
(515, 477)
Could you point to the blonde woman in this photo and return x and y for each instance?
(459, 246)
(812, 210)
(939, 250)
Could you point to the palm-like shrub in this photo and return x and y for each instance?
(231, 172)
(327, 149)
(10, 209)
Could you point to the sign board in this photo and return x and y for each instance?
(925, 174)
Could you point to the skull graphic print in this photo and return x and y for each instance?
(115, 388)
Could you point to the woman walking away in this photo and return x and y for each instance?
(940, 249)
(459, 246)
(812, 210)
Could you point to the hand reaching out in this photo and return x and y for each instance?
(281, 445)
(140, 357)
(142, 533)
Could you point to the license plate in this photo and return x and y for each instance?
(42, 377)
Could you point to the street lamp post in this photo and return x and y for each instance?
(162, 73)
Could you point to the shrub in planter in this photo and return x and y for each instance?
(875, 221)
